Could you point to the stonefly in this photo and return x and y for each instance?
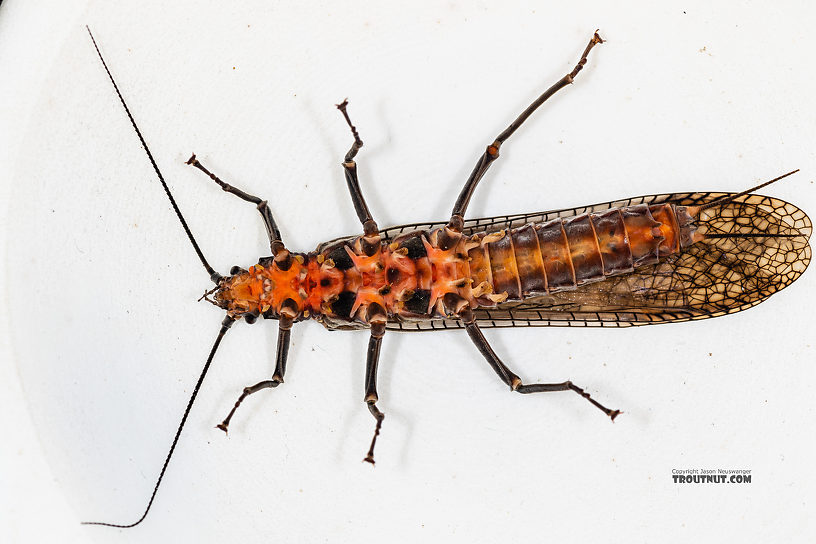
(638, 261)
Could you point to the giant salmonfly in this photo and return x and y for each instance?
(639, 261)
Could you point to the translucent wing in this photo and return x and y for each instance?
(756, 246)
(500, 222)
(511, 221)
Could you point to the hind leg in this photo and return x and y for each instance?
(511, 379)
(492, 151)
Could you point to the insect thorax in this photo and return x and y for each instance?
(352, 283)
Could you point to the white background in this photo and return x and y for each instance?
(103, 339)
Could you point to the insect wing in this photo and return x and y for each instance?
(501, 222)
(756, 246)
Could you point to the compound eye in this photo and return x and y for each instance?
(236, 270)
(250, 318)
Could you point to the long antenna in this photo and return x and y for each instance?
(214, 276)
(225, 325)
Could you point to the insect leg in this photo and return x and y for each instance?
(350, 168)
(512, 379)
(377, 332)
(492, 151)
(284, 332)
(272, 231)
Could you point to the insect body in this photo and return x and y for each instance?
(647, 260)
(434, 274)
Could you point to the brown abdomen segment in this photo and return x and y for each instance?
(583, 249)
(503, 267)
(552, 241)
(616, 255)
(529, 263)
(664, 214)
(562, 254)
(643, 233)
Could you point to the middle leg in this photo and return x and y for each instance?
(371, 398)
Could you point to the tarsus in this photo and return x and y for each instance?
(215, 276)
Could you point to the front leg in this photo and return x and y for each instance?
(272, 231)
(492, 152)
(284, 334)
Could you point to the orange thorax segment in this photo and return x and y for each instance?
(450, 272)
(372, 282)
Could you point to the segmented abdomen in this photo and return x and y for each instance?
(559, 255)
